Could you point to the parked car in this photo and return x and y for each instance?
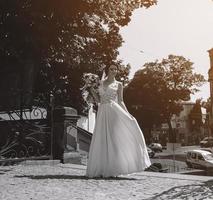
(150, 152)
(156, 147)
(207, 149)
(200, 159)
(207, 142)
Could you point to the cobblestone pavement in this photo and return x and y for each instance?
(67, 182)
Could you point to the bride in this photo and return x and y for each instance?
(118, 146)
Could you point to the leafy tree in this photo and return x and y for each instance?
(208, 121)
(207, 105)
(63, 39)
(196, 122)
(159, 87)
(195, 116)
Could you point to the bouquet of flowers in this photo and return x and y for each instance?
(90, 81)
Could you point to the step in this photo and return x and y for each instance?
(75, 158)
(40, 162)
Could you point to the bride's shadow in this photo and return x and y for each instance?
(77, 177)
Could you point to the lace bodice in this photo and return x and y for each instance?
(109, 93)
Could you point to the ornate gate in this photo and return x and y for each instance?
(25, 134)
(25, 120)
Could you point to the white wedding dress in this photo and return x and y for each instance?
(118, 146)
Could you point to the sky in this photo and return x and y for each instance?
(179, 27)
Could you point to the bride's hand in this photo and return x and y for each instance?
(94, 94)
(91, 89)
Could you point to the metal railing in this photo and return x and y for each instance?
(29, 137)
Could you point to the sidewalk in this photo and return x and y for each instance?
(55, 181)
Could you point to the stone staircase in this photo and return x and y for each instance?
(75, 157)
(72, 157)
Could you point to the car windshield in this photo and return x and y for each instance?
(208, 156)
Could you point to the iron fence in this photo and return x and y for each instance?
(26, 133)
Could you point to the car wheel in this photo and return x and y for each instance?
(189, 165)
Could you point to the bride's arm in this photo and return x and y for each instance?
(120, 97)
(95, 95)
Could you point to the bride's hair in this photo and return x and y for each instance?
(106, 69)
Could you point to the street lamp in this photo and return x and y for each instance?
(174, 125)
